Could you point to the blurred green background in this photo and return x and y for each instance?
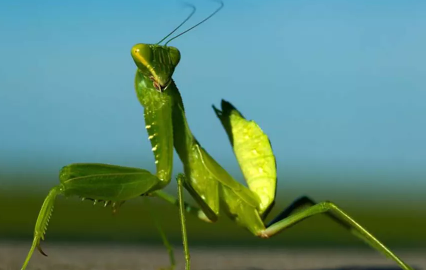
(338, 86)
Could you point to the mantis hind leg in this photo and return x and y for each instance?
(305, 202)
(293, 215)
(300, 204)
(42, 222)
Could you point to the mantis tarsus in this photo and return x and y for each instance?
(207, 182)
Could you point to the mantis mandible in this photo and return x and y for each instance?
(206, 181)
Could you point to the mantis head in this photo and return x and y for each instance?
(156, 62)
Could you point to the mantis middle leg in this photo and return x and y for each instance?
(163, 236)
(180, 181)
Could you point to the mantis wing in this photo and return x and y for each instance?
(254, 153)
(224, 178)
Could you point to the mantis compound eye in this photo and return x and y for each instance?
(174, 55)
(142, 55)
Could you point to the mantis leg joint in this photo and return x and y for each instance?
(263, 234)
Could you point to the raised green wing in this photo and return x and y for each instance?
(253, 151)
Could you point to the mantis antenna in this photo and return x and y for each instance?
(189, 29)
(187, 18)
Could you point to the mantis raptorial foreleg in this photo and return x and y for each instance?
(101, 183)
(42, 222)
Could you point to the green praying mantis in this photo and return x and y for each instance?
(213, 188)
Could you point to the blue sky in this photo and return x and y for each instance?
(339, 86)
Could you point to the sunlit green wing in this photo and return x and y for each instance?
(253, 151)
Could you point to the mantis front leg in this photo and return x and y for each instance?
(99, 182)
(42, 222)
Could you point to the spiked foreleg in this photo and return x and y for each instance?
(42, 222)
(99, 182)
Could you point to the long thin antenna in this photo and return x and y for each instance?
(187, 18)
(187, 30)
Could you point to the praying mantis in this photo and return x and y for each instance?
(213, 188)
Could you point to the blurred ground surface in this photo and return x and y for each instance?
(109, 257)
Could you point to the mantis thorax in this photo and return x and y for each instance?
(156, 62)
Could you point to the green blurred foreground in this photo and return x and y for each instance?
(73, 220)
